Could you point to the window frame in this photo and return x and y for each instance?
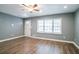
(52, 27)
(60, 25)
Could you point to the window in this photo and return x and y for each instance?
(57, 25)
(40, 26)
(49, 26)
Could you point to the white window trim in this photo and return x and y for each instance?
(61, 27)
(51, 32)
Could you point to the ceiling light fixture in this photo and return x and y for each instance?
(32, 7)
(65, 6)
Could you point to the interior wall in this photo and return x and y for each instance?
(10, 26)
(67, 27)
(77, 27)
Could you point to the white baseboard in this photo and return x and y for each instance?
(42, 39)
(11, 38)
(55, 40)
(50, 39)
(76, 45)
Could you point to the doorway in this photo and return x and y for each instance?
(28, 28)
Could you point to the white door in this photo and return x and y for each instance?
(28, 28)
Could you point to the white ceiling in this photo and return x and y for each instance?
(46, 9)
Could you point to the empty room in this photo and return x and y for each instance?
(39, 28)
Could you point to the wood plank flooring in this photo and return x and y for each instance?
(26, 45)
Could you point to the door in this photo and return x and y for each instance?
(28, 28)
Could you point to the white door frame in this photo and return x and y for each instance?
(27, 30)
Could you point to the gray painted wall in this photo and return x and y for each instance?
(6, 29)
(67, 27)
(77, 27)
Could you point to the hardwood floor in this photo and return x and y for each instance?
(26, 45)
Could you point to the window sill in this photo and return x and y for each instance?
(49, 33)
